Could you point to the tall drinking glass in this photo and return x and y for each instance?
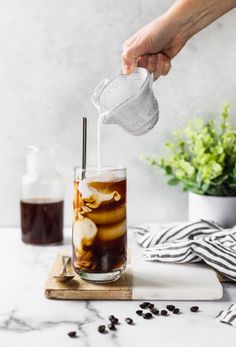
(99, 223)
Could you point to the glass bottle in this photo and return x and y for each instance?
(42, 199)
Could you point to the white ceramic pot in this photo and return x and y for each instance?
(221, 209)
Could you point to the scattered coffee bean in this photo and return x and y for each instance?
(139, 312)
(111, 317)
(72, 334)
(102, 329)
(129, 320)
(144, 304)
(164, 312)
(114, 320)
(155, 311)
(150, 306)
(194, 308)
(176, 310)
(147, 315)
(170, 307)
(111, 326)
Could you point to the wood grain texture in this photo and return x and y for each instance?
(77, 289)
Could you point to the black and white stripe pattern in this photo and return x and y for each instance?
(228, 316)
(191, 242)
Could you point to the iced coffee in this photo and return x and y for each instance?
(99, 225)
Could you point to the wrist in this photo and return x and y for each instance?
(191, 16)
(179, 22)
(177, 26)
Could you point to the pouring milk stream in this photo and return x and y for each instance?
(128, 101)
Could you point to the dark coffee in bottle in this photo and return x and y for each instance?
(42, 221)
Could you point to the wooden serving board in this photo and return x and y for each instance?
(80, 289)
(141, 281)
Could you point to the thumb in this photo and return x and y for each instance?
(133, 48)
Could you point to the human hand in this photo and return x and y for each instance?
(157, 43)
(153, 47)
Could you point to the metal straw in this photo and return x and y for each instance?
(84, 147)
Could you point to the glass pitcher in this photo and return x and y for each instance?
(127, 100)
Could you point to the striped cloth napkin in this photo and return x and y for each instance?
(191, 242)
(228, 316)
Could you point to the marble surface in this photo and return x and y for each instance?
(27, 318)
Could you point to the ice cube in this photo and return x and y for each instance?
(109, 216)
(112, 232)
(83, 231)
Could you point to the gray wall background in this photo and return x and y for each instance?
(54, 52)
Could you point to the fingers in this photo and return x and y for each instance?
(128, 56)
(158, 64)
(133, 48)
(163, 65)
(135, 54)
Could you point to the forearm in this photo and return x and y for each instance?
(193, 15)
(156, 44)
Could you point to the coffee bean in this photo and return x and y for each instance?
(139, 312)
(150, 306)
(176, 310)
(111, 317)
(144, 305)
(114, 320)
(102, 329)
(164, 312)
(129, 320)
(147, 315)
(111, 326)
(194, 308)
(72, 334)
(170, 307)
(155, 311)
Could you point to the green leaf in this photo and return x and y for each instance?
(168, 170)
(202, 156)
(173, 181)
(205, 187)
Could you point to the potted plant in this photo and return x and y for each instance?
(203, 160)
